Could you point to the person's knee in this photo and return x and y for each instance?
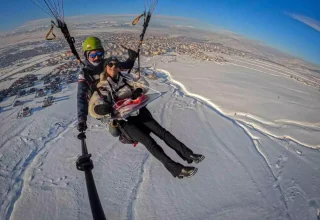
(141, 137)
(149, 143)
(163, 133)
(152, 146)
(145, 114)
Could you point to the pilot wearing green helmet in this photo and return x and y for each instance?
(93, 67)
(93, 50)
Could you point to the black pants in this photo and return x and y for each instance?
(139, 128)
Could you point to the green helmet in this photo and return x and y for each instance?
(91, 43)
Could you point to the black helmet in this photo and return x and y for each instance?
(110, 59)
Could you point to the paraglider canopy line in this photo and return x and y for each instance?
(45, 10)
(152, 5)
(51, 7)
(149, 5)
(62, 25)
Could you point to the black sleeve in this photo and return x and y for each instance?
(128, 64)
(82, 100)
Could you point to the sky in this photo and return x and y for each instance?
(291, 26)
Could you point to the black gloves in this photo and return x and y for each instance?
(136, 93)
(82, 125)
(132, 54)
(103, 109)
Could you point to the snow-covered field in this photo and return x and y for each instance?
(258, 129)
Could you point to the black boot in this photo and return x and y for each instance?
(187, 172)
(197, 158)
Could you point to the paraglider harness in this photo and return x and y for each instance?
(124, 137)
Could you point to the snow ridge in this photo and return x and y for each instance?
(282, 138)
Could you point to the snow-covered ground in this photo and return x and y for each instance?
(257, 128)
(265, 99)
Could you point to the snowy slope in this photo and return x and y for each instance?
(250, 171)
(267, 100)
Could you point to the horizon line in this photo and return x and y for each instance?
(164, 16)
(83, 15)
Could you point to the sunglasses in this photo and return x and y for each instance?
(93, 55)
(113, 64)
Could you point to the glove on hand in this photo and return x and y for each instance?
(82, 125)
(136, 93)
(132, 54)
(103, 109)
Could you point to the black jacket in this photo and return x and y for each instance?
(83, 84)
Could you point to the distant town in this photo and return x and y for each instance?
(152, 46)
(161, 45)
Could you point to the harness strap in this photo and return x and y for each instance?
(93, 85)
(122, 130)
(116, 90)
